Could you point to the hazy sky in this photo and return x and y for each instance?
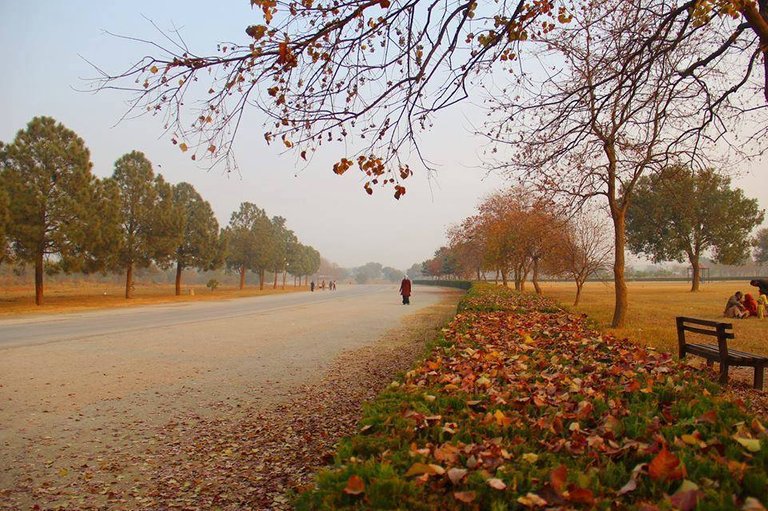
(43, 43)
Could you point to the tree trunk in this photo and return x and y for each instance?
(39, 278)
(274, 285)
(242, 277)
(696, 267)
(620, 285)
(284, 276)
(496, 281)
(579, 285)
(478, 273)
(178, 278)
(503, 278)
(129, 281)
(262, 273)
(535, 277)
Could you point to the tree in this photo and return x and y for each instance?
(47, 175)
(367, 272)
(392, 274)
(616, 111)
(152, 225)
(282, 240)
(761, 246)
(681, 214)
(5, 218)
(585, 250)
(243, 238)
(199, 247)
(414, 272)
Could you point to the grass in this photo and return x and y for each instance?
(521, 405)
(79, 296)
(653, 307)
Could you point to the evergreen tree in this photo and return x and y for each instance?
(151, 223)
(199, 245)
(241, 238)
(47, 173)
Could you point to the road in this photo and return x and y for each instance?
(70, 382)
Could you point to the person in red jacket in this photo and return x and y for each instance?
(405, 290)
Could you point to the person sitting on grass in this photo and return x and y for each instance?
(761, 285)
(762, 304)
(750, 304)
(734, 307)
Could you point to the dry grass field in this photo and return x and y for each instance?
(653, 307)
(79, 296)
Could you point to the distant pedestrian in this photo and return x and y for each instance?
(405, 290)
(312, 286)
(322, 285)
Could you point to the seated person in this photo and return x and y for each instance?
(750, 304)
(762, 304)
(734, 308)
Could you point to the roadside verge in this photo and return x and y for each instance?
(521, 405)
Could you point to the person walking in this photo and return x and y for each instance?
(312, 286)
(405, 290)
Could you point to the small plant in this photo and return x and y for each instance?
(212, 284)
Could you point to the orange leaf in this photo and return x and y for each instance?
(355, 486)
(464, 496)
(665, 466)
(580, 495)
(558, 478)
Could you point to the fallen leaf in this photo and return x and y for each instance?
(496, 484)
(665, 466)
(457, 474)
(355, 485)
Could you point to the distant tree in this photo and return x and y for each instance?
(584, 250)
(199, 247)
(761, 246)
(242, 239)
(467, 243)
(392, 274)
(414, 272)
(152, 225)
(281, 240)
(681, 214)
(49, 187)
(367, 272)
(5, 219)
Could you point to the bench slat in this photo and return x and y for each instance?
(728, 335)
(705, 322)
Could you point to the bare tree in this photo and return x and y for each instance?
(615, 110)
(586, 250)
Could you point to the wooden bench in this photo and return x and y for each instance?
(718, 352)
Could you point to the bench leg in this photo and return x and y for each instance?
(759, 377)
(723, 373)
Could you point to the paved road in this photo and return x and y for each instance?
(76, 373)
(31, 330)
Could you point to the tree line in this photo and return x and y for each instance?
(678, 214)
(58, 216)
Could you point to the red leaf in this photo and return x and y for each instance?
(355, 486)
(580, 495)
(665, 466)
(558, 478)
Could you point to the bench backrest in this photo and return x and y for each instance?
(723, 332)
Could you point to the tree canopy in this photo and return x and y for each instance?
(47, 173)
(683, 214)
(199, 245)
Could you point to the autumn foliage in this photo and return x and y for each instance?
(523, 406)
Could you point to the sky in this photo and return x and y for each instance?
(46, 47)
